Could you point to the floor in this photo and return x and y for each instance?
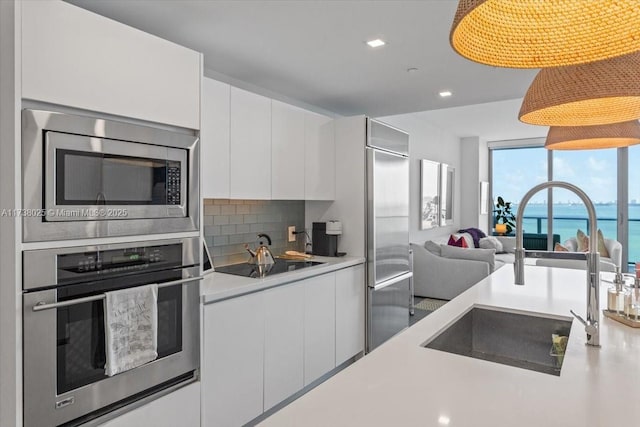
(420, 314)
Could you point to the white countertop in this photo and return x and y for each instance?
(219, 286)
(404, 384)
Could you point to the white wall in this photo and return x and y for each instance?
(427, 141)
(10, 267)
(475, 163)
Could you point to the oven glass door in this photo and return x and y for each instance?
(64, 350)
(98, 178)
(80, 334)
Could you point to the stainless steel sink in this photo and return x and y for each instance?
(514, 339)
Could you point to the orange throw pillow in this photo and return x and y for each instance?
(559, 248)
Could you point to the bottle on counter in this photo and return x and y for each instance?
(616, 294)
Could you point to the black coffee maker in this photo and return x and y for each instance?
(324, 238)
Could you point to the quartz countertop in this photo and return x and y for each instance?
(219, 286)
(404, 384)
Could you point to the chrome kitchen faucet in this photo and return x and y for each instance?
(592, 324)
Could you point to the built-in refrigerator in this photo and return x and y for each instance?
(387, 238)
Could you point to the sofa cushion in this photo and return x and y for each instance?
(459, 242)
(491, 242)
(583, 243)
(432, 247)
(504, 258)
(486, 255)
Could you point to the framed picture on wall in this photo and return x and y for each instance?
(447, 186)
(430, 198)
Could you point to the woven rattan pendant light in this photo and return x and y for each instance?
(545, 33)
(593, 137)
(596, 93)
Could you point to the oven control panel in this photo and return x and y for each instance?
(118, 261)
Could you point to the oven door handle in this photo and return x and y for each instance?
(44, 306)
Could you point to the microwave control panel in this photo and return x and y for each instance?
(173, 185)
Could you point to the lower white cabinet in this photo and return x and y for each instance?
(350, 305)
(319, 326)
(179, 408)
(259, 349)
(283, 342)
(233, 361)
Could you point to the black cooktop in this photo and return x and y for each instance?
(251, 270)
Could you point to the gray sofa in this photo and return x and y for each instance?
(444, 272)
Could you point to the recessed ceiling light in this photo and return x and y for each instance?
(445, 93)
(376, 43)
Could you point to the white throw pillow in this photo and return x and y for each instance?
(491, 242)
(486, 255)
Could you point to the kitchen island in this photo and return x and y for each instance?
(404, 384)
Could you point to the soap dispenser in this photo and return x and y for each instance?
(616, 294)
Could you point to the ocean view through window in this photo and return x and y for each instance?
(516, 170)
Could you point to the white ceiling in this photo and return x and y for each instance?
(494, 121)
(314, 51)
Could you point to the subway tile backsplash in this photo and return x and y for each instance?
(229, 224)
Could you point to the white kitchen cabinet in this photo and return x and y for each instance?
(283, 343)
(287, 152)
(350, 312)
(250, 149)
(319, 326)
(319, 165)
(76, 58)
(179, 408)
(233, 361)
(214, 139)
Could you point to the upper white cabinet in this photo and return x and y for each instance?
(257, 148)
(250, 145)
(350, 288)
(214, 139)
(76, 58)
(319, 165)
(287, 152)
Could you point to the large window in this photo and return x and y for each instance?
(516, 170)
(634, 205)
(595, 172)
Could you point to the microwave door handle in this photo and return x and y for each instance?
(40, 306)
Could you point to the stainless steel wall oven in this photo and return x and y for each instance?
(64, 329)
(86, 177)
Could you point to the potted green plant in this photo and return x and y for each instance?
(504, 215)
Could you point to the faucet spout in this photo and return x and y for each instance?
(593, 258)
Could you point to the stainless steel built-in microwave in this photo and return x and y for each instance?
(86, 177)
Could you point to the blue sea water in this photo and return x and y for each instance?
(568, 218)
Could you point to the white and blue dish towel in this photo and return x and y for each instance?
(131, 328)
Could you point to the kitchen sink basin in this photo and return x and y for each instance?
(511, 338)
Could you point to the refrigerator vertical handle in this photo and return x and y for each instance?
(371, 216)
(411, 289)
